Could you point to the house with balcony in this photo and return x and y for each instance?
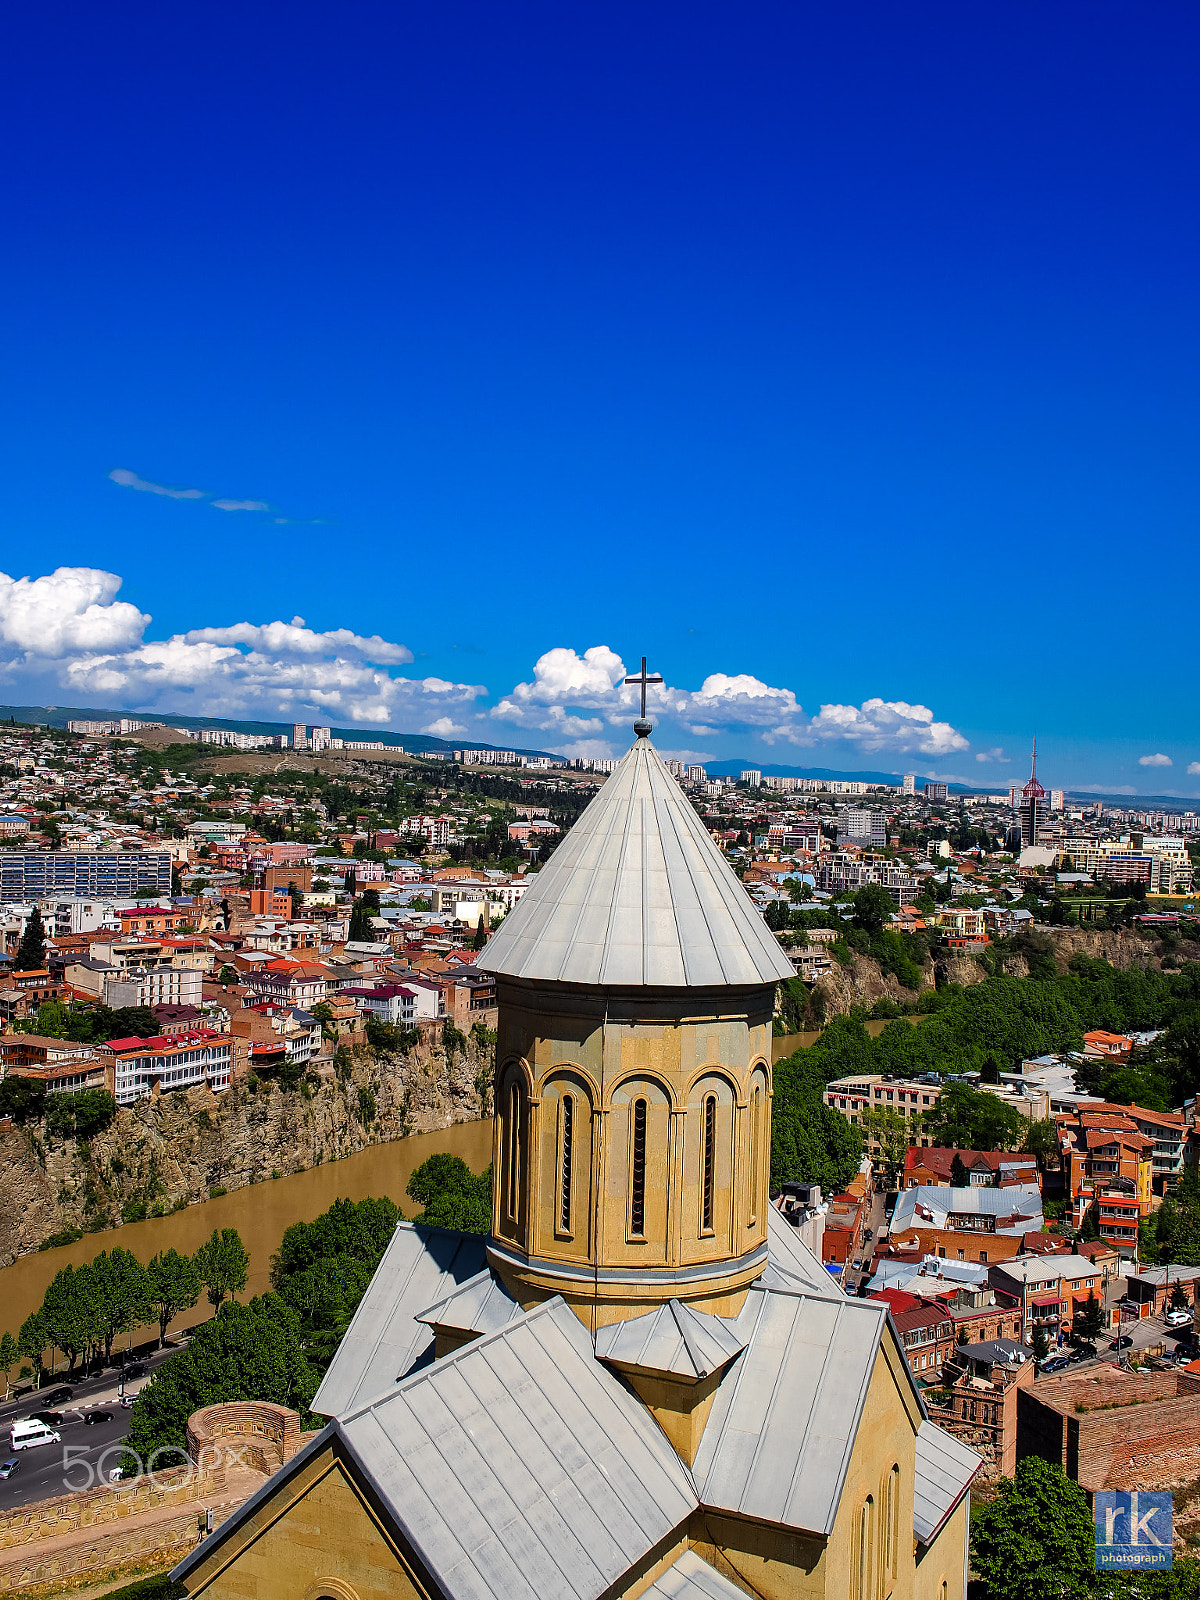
(1047, 1289)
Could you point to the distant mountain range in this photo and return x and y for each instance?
(59, 716)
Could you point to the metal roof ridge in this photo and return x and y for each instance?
(679, 1313)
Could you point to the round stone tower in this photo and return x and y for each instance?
(636, 985)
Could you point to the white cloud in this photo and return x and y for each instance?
(68, 610)
(992, 755)
(1158, 760)
(444, 728)
(1194, 769)
(888, 725)
(566, 684)
(68, 632)
(130, 480)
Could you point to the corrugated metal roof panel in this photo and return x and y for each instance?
(637, 895)
(519, 1466)
(690, 1578)
(783, 1422)
(384, 1340)
(674, 1339)
(790, 1254)
(944, 1469)
(482, 1305)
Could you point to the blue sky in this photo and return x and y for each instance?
(841, 359)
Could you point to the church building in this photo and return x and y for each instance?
(641, 1382)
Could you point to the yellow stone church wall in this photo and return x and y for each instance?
(774, 1564)
(607, 1052)
(314, 1538)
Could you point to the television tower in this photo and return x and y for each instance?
(1032, 808)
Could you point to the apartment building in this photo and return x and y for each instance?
(110, 874)
(1047, 1289)
(852, 1096)
(1104, 1152)
(839, 872)
(144, 1067)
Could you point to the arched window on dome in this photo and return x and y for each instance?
(566, 1164)
(863, 1552)
(513, 1127)
(758, 1101)
(637, 1178)
(708, 1170)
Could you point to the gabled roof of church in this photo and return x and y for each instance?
(674, 1339)
(637, 895)
(778, 1439)
(690, 1578)
(790, 1255)
(384, 1340)
(519, 1466)
(944, 1469)
(481, 1305)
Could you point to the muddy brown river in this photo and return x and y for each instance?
(260, 1213)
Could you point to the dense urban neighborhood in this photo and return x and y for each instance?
(228, 958)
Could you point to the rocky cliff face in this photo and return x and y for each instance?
(180, 1147)
(863, 984)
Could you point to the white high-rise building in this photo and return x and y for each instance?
(696, 774)
(752, 776)
(299, 735)
(909, 786)
(322, 739)
(1058, 800)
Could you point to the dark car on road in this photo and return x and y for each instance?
(92, 1417)
(1121, 1342)
(135, 1369)
(60, 1396)
(1054, 1364)
(1084, 1352)
(50, 1418)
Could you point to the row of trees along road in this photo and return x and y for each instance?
(85, 1308)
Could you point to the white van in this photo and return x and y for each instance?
(26, 1434)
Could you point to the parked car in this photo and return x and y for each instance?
(92, 1417)
(1084, 1352)
(60, 1396)
(135, 1369)
(1054, 1364)
(7, 1468)
(50, 1418)
(1177, 1319)
(1121, 1342)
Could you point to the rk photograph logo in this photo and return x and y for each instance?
(1133, 1531)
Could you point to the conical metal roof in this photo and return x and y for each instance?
(637, 895)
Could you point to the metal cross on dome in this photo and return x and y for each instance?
(643, 678)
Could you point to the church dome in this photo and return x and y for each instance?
(637, 895)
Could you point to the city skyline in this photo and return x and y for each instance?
(424, 373)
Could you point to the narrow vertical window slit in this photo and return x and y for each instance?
(710, 1150)
(637, 1208)
(568, 1135)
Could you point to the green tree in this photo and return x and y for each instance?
(958, 1172)
(33, 1339)
(810, 1141)
(1089, 1323)
(10, 1354)
(452, 1196)
(222, 1264)
(1041, 1344)
(873, 908)
(889, 1129)
(174, 1287)
(361, 931)
(123, 1295)
(1041, 1139)
(249, 1352)
(31, 952)
(1179, 1297)
(1034, 1540)
(323, 1267)
(70, 1314)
